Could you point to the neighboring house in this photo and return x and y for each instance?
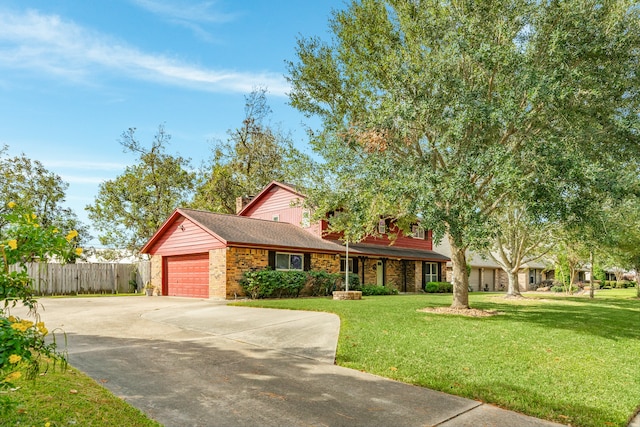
(203, 254)
(486, 274)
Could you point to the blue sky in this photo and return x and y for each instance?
(75, 74)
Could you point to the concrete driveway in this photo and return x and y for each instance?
(189, 362)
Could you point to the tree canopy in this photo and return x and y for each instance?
(131, 207)
(446, 110)
(255, 154)
(28, 183)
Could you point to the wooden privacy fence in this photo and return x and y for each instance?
(87, 278)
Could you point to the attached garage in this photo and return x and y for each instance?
(187, 275)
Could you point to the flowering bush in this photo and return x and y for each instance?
(22, 341)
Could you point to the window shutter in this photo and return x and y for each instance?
(424, 265)
(440, 272)
(355, 265)
(307, 262)
(272, 260)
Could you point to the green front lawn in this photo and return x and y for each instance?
(568, 359)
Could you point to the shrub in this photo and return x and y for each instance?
(368, 290)
(267, 283)
(22, 342)
(556, 288)
(320, 282)
(438, 287)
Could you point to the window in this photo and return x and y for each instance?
(417, 232)
(289, 261)
(430, 272)
(382, 226)
(276, 218)
(306, 218)
(342, 260)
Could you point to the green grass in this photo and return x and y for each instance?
(567, 359)
(64, 398)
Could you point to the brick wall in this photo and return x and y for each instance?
(325, 262)
(240, 260)
(156, 272)
(218, 273)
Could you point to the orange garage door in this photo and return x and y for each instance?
(187, 275)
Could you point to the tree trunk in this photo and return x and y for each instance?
(592, 282)
(514, 286)
(460, 276)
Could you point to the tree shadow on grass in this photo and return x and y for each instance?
(607, 318)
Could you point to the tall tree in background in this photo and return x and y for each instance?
(29, 184)
(519, 238)
(254, 155)
(131, 207)
(446, 110)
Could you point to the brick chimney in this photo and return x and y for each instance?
(241, 202)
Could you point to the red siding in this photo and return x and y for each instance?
(283, 203)
(184, 237)
(277, 200)
(402, 241)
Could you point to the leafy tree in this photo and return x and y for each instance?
(29, 184)
(254, 155)
(131, 207)
(519, 238)
(446, 110)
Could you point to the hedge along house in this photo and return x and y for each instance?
(204, 254)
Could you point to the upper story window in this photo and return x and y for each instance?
(382, 226)
(287, 261)
(417, 232)
(306, 218)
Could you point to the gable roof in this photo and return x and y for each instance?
(266, 190)
(235, 230)
(242, 231)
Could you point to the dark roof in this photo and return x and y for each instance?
(238, 230)
(384, 251)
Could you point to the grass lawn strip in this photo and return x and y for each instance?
(64, 398)
(567, 359)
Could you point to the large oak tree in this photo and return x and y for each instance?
(445, 110)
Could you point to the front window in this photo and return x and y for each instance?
(342, 261)
(431, 272)
(382, 226)
(285, 261)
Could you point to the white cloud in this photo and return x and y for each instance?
(49, 44)
(185, 10)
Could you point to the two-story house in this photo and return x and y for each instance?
(203, 254)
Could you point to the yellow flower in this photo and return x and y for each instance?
(78, 251)
(47, 424)
(13, 244)
(22, 325)
(36, 225)
(15, 358)
(12, 319)
(55, 230)
(41, 328)
(71, 235)
(11, 205)
(12, 377)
